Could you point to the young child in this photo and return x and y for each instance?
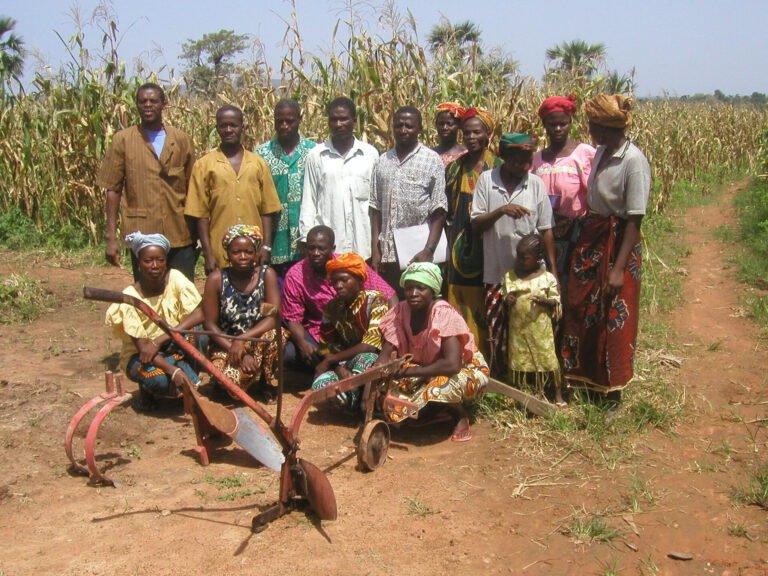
(534, 301)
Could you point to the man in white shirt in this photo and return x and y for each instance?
(337, 182)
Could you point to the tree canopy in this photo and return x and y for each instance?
(577, 57)
(11, 54)
(210, 59)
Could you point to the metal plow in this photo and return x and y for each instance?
(273, 443)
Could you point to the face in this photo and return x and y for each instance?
(229, 125)
(406, 129)
(447, 127)
(527, 259)
(418, 296)
(475, 135)
(152, 262)
(242, 254)
(347, 285)
(557, 125)
(149, 103)
(341, 123)
(319, 250)
(287, 122)
(597, 133)
(518, 162)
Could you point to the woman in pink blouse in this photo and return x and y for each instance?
(446, 366)
(564, 165)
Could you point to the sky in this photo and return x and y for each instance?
(676, 47)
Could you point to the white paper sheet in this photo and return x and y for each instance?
(412, 240)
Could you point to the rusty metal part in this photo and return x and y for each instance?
(114, 396)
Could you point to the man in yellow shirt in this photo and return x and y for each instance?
(229, 186)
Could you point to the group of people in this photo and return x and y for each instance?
(541, 274)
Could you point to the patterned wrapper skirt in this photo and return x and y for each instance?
(600, 331)
(356, 365)
(264, 353)
(466, 385)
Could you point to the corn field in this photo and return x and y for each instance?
(54, 137)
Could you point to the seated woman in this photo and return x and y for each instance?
(149, 357)
(447, 366)
(235, 304)
(350, 339)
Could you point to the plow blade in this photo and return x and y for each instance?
(313, 485)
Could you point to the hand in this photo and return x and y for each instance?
(514, 210)
(615, 281)
(510, 299)
(179, 380)
(376, 258)
(147, 350)
(248, 364)
(236, 353)
(112, 252)
(264, 256)
(343, 372)
(308, 353)
(424, 256)
(210, 264)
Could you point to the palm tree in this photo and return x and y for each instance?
(464, 37)
(11, 53)
(577, 57)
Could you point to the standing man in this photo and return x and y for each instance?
(286, 155)
(229, 186)
(145, 173)
(408, 190)
(337, 182)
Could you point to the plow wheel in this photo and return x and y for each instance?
(373, 445)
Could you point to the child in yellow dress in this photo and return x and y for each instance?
(533, 298)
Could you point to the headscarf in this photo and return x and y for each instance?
(139, 241)
(481, 114)
(425, 273)
(350, 262)
(453, 108)
(611, 111)
(565, 104)
(253, 233)
(518, 140)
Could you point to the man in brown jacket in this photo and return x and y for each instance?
(145, 173)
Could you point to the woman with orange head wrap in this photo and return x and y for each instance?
(564, 165)
(448, 121)
(603, 300)
(350, 338)
(466, 290)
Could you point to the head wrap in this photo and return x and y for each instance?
(481, 114)
(425, 273)
(350, 262)
(139, 241)
(453, 108)
(518, 140)
(565, 104)
(611, 111)
(253, 233)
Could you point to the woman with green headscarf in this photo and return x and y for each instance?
(446, 366)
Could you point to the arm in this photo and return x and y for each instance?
(387, 350)
(436, 224)
(176, 375)
(375, 232)
(485, 221)
(205, 242)
(112, 251)
(631, 236)
(307, 350)
(332, 360)
(267, 225)
(448, 364)
(550, 252)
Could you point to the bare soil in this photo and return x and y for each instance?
(435, 507)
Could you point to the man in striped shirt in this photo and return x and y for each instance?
(145, 173)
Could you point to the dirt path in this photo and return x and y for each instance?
(434, 508)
